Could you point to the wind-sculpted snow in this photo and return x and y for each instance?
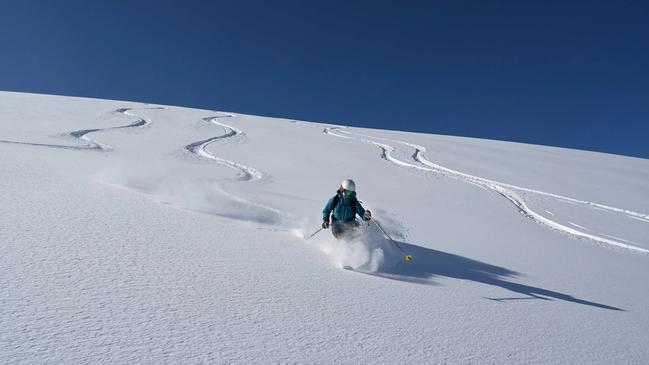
(83, 133)
(200, 148)
(175, 247)
(508, 191)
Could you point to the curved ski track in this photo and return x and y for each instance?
(83, 133)
(199, 148)
(508, 191)
(246, 173)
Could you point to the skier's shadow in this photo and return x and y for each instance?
(428, 264)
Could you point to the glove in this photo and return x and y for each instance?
(325, 224)
(368, 215)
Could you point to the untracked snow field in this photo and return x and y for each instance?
(137, 233)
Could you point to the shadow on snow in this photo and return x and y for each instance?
(428, 263)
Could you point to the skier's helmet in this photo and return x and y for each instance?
(348, 184)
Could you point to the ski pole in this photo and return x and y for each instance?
(314, 233)
(406, 256)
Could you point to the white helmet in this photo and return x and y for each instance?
(348, 184)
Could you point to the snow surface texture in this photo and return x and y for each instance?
(135, 233)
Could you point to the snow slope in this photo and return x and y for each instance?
(135, 233)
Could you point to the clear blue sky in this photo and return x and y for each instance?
(564, 73)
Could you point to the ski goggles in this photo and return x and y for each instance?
(348, 193)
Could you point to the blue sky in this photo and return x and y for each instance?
(564, 73)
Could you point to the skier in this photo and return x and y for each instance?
(344, 206)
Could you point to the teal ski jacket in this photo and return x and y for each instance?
(343, 211)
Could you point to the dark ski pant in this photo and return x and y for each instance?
(342, 229)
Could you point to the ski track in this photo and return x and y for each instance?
(508, 191)
(83, 133)
(246, 173)
(330, 131)
(616, 238)
(199, 148)
(638, 219)
(578, 226)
